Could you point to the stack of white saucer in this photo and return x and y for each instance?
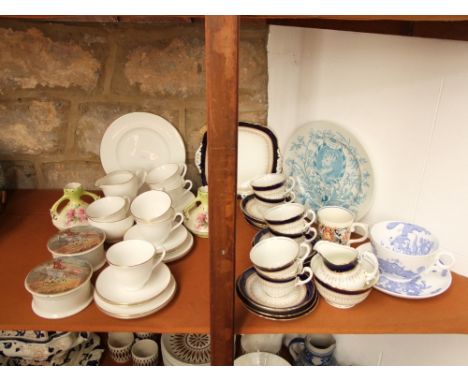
(136, 283)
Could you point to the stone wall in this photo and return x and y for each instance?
(61, 85)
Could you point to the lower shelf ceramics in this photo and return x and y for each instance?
(108, 290)
(186, 349)
(64, 314)
(428, 285)
(139, 310)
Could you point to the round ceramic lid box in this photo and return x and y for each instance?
(60, 287)
(82, 243)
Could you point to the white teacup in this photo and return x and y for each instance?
(133, 261)
(114, 230)
(289, 219)
(177, 190)
(166, 176)
(158, 231)
(337, 223)
(280, 288)
(121, 183)
(108, 209)
(151, 206)
(278, 253)
(272, 186)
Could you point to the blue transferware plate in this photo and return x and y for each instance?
(330, 167)
(427, 285)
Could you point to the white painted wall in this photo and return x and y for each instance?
(406, 100)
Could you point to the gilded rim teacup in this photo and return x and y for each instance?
(151, 206)
(166, 175)
(133, 262)
(337, 223)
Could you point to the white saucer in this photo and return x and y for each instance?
(180, 252)
(427, 285)
(68, 313)
(140, 310)
(255, 210)
(254, 290)
(184, 202)
(109, 290)
(175, 239)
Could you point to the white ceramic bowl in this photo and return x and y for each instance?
(269, 343)
(260, 359)
(60, 288)
(108, 209)
(83, 243)
(145, 353)
(115, 231)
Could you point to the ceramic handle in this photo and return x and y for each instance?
(312, 216)
(438, 265)
(53, 209)
(364, 227)
(307, 252)
(187, 190)
(292, 197)
(292, 184)
(305, 270)
(296, 346)
(184, 169)
(309, 231)
(161, 258)
(177, 225)
(370, 276)
(94, 196)
(191, 206)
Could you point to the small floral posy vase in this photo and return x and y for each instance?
(196, 213)
(74, 212)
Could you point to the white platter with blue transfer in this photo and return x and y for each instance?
(427, 285)
(330, 167)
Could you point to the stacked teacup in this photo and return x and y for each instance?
(170, 179)
(155, 217)
(278, 262)
(292, 220)
(112, 215)
(273, 189)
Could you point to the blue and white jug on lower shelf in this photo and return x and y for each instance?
(313, 350)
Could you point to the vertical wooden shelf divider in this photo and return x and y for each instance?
(222, 77)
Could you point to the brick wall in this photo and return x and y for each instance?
(61, 85)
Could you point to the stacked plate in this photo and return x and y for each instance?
(177, 245)
(116, 301)
(302, 301)
(186, 349)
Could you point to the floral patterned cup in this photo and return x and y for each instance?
(337, 223)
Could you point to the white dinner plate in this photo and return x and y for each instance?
(109, 290)
(140, 310)
(140, 140)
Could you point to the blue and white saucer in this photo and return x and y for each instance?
(428, 285)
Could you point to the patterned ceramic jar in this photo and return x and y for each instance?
(120, 344)
(145, 353)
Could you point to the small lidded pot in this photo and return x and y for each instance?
(60, 287)
(343, 276)
(82, 243)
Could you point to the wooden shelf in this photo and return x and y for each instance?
(379, 313)
(25, 227)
